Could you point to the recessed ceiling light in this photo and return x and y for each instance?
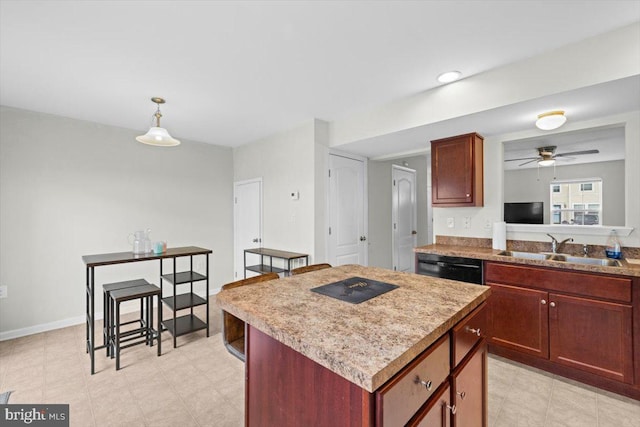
(449, 76)
(551, 120)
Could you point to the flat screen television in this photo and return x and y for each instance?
(524, 213)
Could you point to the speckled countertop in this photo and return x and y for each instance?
(488, 254)
(365, 343)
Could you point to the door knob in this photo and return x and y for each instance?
(552, 304)
(543, 302)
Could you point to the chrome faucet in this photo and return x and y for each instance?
(555, 245)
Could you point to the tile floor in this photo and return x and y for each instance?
(201, 384)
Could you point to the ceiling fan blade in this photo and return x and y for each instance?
(578, 153)
(530, 161)
(524, 158)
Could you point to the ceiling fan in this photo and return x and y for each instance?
(547, 156)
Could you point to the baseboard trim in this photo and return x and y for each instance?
(65, 323)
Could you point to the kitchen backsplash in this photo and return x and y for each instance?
(596, 251)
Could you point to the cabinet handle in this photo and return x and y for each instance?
(473, 331)
(462, 394)
(552, 304)
(427, 384)
(452, 408)
(468, 195)
(543, 302)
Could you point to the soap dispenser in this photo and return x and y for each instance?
(613, 246)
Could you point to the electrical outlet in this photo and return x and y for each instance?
(466, 222)
(488, 224)
(451, 222)
(4, 291)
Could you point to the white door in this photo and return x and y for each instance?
(247, 221)
(347, 211)
(404, 220)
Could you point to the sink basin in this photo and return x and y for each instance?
(586, 260)
(549, 256)
(525, 255)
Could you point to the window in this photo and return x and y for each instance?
(576, 202)
(556, 214)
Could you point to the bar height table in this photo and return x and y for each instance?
(93, 261)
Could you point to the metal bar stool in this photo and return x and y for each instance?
(145, 333)
(107, 330)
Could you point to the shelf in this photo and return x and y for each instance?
(184, 277)
(263, 268)
(184, 301)
(184, 325)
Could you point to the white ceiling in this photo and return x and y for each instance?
(234, 72)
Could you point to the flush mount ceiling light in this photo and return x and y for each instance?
(158, 136)
(449, 76)
(551, 120)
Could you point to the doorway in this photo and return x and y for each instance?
(347, 210)
(404, 213)
(247, 221)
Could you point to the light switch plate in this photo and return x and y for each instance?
(451, 222)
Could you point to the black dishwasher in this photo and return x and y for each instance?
(448, 267)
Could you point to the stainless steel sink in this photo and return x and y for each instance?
(586, 260)
(549, 256)
(525, 255)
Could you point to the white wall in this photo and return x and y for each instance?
(285, 162)
(600, 59)
(70, 188)
(380, 205)
(533, 185)
(494, 184)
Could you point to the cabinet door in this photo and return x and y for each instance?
(437, 412)
(457, 171)
(518, 319)
(470, 390)
(592, 336)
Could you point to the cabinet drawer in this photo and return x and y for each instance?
(468, 332)
(400, 398)
(437, 412)
(585, 284)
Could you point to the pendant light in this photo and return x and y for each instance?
(551, 120)
(158, 136)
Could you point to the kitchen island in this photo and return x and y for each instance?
(315, 360)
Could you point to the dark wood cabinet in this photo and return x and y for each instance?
(457, 171)
(576, 320)
(285, 388)
(437, 413)
(591, 335)
(518, 319)
(469, 386)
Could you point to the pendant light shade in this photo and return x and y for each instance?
(157, 135)
(551, 120)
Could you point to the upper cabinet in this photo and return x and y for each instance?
(457, 171)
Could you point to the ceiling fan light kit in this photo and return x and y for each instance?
(551, 120)
(157, 135)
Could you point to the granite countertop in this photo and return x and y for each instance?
(365, 343)
(488, 254)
